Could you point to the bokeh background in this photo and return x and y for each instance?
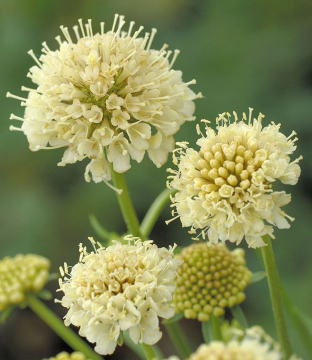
(242, 54)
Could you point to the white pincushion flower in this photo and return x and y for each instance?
(226, 188)
(106, 90)
(119, 288)
(256, 345)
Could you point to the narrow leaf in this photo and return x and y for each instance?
(6, 313)
(239, 316)
(258, 276)
(44, 294)
(207, 331)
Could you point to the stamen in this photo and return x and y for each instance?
(31, 53)
(130, 28)
(144, 40)
(14, 117)
(154, 31)
(90, 26)
(9, 95)
(76, 30)
(66, 34)
(176, 53)
(114, 23)
(13, 128)
(102, 27)
(81, 28)
(58, 39)
(44, 44)
(250, 115)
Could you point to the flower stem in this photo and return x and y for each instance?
(154, 211)
(179, 340)
(67, 334)
(276, 296)
(149, 352)
(126, 205)
(215, 326)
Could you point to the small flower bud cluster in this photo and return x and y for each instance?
(211, 278)
(19, 275)
(65, 356)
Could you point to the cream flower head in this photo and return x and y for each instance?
(118, 288)
(256, 345)
(226, 188)
(65, 356)
(20, 275)
(107, 97)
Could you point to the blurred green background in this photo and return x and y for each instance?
(242, 54)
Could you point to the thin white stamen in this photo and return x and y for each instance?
(81, 28)
(76, 30)
(102, 27)
(130, 28)
(14, 117)
(115, 21)
(58, 39)
(176, 53)
(14, 128)
(90, 26)
(9, 95)
(31, 53)
(154, 31)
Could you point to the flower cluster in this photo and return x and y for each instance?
(210, 279)
(65, 356)
(106, 90)
(256, 345)
(19, 275)
(118, 288)
(225, 188)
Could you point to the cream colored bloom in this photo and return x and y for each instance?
(106, 90)
(73, 356)
(20, 275)
(226, 188)
(256, 345)
(119, 288)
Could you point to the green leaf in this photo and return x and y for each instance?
(175, 318)
(99, 229)
(44, 294)
(258, 276)
(136, 348)
(239, 316)
(207, 331)
(120, 339)
(6, 313)
(53, 276)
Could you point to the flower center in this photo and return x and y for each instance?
(226, 167)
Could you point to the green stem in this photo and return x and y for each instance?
(297, 321)
(126, 205)
(276, 296)
(179, 340)
(149, 352)
(215, 326)
(67, 334)
(155, 210)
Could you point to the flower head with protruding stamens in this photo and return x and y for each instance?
(107, 97)
(119, 288)
(226, 188)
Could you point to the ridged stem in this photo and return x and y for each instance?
(216, 328)
(67, 334)
(178, 339)
(276, 296)
(126, 205)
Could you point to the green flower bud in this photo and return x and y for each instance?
(210, 279)
(19, 275)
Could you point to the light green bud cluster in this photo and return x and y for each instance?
(210, 279)
(65, 356)
(19, 275)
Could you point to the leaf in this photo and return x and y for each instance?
(6, 313)
(134, 347)
(207, 331)
(99, 229)
(239, 316)
(120, 339)
(53, 276)
(258, 276)
(175, 318)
